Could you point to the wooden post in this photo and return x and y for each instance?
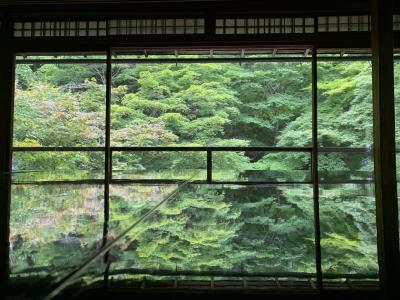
(385, 148)
(7, 65)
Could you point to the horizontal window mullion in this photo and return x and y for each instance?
(190, 148)
(345, 149)
(214, 182)
(192, 60)
(55, 182)
(242, 274)
(57, 149)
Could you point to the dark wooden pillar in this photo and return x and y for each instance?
(385, 148)
(7, 64)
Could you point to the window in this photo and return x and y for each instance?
(57, 202)
(237, 123)
(345, 165)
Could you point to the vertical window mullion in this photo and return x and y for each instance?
(314, 170)
(107, 163)
(209, 166)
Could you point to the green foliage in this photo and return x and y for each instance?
(232, 228)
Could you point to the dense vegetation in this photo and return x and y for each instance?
(221, 227)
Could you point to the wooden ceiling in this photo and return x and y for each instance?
(32, 8)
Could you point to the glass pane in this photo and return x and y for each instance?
(58, 104)
(345, 104)
(35, 166)
(214, 229)
(342, 166)
(211, 104)
(345, 165)
(54, 227)
(348, 229)
(167, 165)
(260, 166)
